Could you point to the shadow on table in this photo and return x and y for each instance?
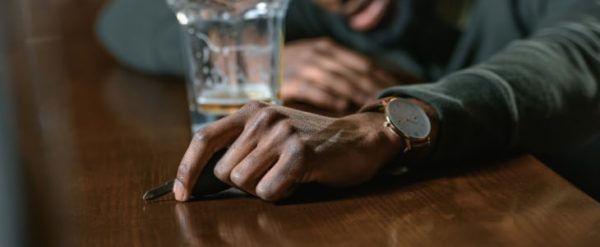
(313, 193)
(382, 184)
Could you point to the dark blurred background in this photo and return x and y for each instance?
(12, 208)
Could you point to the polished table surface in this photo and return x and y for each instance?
(95, 136)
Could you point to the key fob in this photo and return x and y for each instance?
(206, 184)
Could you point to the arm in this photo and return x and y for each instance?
(272, 149)
(143, 34)
(539, 95)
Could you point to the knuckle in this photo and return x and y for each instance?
(252, 127)
(251, 158)
(201, 136)
(239, 178)
(183, 170)
(265, 117)
(285, 127)
(258, 121)
(221, 173)
(183, 173)
(254, 105)
(267, 114)
(298, 148)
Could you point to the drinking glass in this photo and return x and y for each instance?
(233, 50)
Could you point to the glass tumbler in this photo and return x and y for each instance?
(233, 50)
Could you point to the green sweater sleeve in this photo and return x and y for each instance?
(539, 95)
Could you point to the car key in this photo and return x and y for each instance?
(206, 184)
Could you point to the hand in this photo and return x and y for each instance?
(272, 149)
(324, 74)
(363, 14)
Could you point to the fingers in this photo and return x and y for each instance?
(324, 82)
(370, 16)
(282, 178)
(272, 162)
(330, 76)
(345, 77)
(248, 172)
(343, 55)
(244, 145)
(359, 65)
(253, 167)
(331, 82)
(304, 91)
(255, 129)
(204, 144)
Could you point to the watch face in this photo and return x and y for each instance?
(408, 118)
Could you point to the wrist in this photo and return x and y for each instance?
(388, 137)
(384, 144)
(415, 122)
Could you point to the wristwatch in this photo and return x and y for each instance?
(406, 119)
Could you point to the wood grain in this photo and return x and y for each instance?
(97, 135)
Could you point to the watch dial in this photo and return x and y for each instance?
(409, 119)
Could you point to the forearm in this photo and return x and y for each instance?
(539, 95)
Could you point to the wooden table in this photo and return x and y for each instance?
(95, 136)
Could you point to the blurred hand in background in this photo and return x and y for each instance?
(324, 74)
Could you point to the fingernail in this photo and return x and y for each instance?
(179, 192)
